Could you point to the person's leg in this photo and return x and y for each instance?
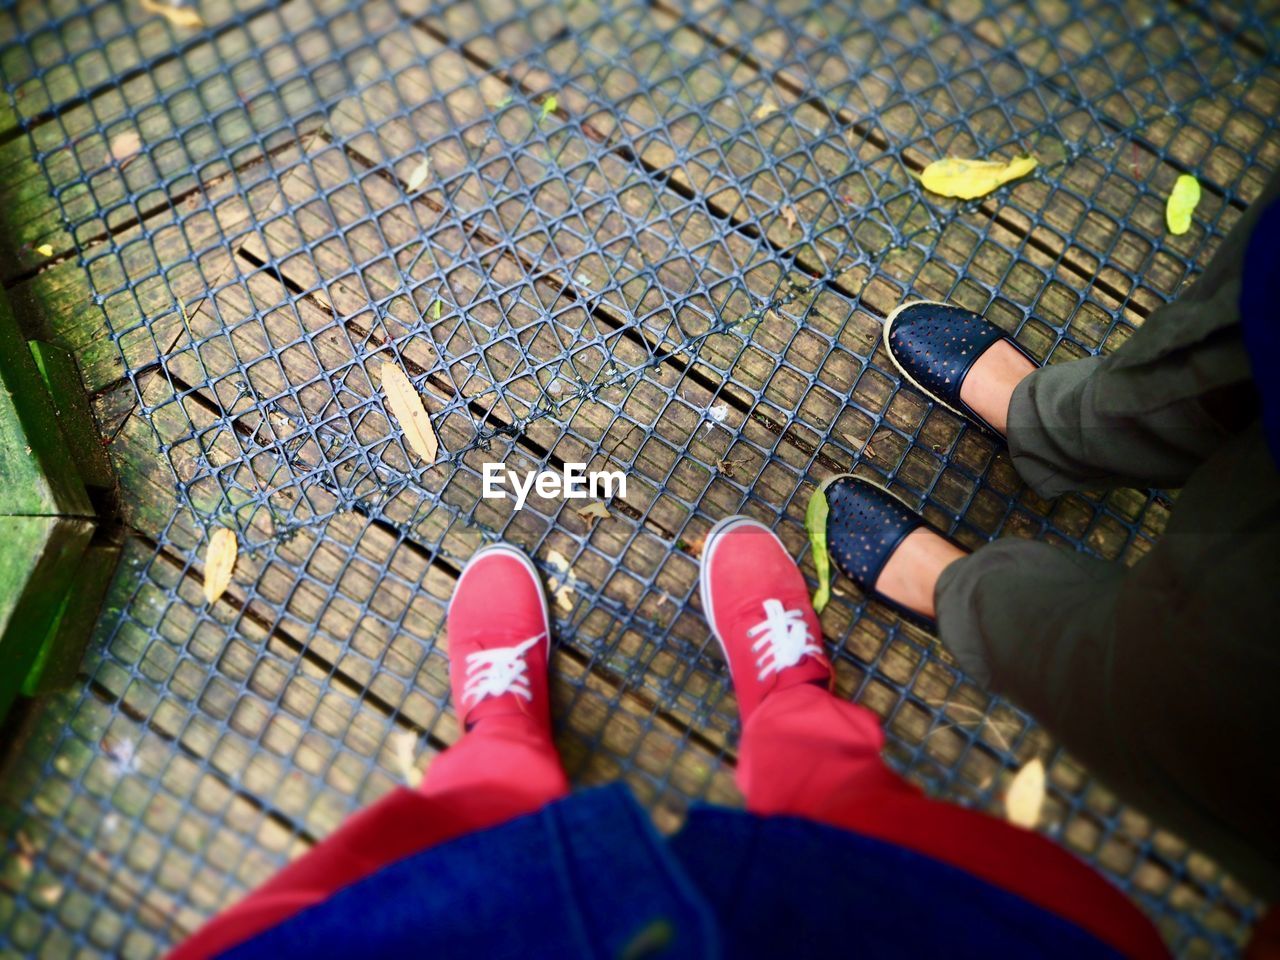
(1157, 677)
(505, 764)
(806, 753)
(1145, 415)
(1073, 426)
(1157, 408)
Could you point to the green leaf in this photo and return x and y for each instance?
(1182, 203)
(435, 310)
(815, 521)
(548, 107)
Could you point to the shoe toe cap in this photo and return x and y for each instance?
(936, 343)
(864, 526)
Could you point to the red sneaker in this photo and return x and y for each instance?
(499, 639)
(757, 604)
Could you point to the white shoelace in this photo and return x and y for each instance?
(784, 639)
(499, 670)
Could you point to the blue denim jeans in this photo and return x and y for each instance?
(588, 876)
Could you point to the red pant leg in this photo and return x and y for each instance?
(807, 753)
(501, 769)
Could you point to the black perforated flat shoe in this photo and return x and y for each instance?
(934, 345)
(865, 525)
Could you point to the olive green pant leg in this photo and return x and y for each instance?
(1150, 413)
(1159, 677)
(1063, 438)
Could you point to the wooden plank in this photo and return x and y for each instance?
(87, 772)
(403, 80)
(37, 567)
(41, 478)
(58, 662)
(138, 288)
(74, 415)
(1149, 75)
(835, 159)
(342, 361)
(208, 106)
(296, 600)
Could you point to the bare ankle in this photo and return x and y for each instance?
(911, 575)
(988, 386)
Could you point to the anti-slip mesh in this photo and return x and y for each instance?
(648, 239)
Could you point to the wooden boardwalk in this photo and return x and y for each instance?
(632, 235)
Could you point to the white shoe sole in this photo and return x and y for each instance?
(888, 328)
(704, 578)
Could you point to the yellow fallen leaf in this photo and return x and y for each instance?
(45, 250)
(403, 743)
(125, 146)
(766, 109)
(815, 521)
(1024, 799)
(418, 176)
(219, 561)
(179, 16)
(406, 407)
(594, 512)
(967, 179)
(563, 590)
(1182, 203)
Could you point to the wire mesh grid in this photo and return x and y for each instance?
(641, 237)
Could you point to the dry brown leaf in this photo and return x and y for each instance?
(696, 546)
(403, 743)
(1024, 799)
(789, 215)
(45, 250)
(563, 591)
(968, 179)
(407, 408)
(728, 466)
(187, 17)
(219, 561)
(593, 513)
(418, 176)
(125, 146)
